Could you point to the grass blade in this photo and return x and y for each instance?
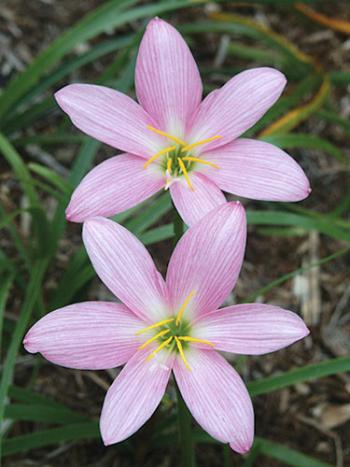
(42, 413)
(306, 373)
(19, 168)
(303, 140)
(32, 293)
(72, 432)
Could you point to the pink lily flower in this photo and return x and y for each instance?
(173, 140)
(164, 326)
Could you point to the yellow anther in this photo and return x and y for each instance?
(185, 173)
(156, 325)
(158, 349)
(183, 307)
(194, 339)
(199, 143)
(181, 352)
(158, 154)
(160, 334)
(169, 164)
(173, 138)
(200, 161)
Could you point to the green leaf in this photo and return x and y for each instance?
(273, 450)
(150, 214)
(32, 293)
(321, 224)
(333, 117)
(51, 176)
(19, 168)
(158, 234)
(42, 413)
(112, 14)
(29, 396)
(72, 432)
(310, 372)
(280, 280)
(5, 287)
(230, 23)
(97, 51)
(287, 455)
(303, 140)
(7, 221)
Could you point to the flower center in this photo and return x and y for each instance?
(177, 159)
(173, 333)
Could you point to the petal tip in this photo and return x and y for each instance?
(61, 95)
(242, 449)
(156, 21)
(236, 207)
(70, 214)
(28, 345)
(106, 441)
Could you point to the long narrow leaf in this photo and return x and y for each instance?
(305, 373)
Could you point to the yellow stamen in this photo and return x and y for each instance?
(158, 349)
(194, 339)
(173, 138)
(185, 173)
(182, 354)
(200, 161)
(183, 307)
(199, 143)
(156, 325)
(158, 154)
(168, 165)
(160, 334)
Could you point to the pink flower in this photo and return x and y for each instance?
(164, 326)
(173, 140)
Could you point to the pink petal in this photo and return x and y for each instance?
(193, 205)
(237, 106)
(168, 83)
(207, 260)
(87, 336)
(110, 117)
(126, 268)
(117, 184)
(251, 329)
(216, 397)
(258, 170)
(134, 396)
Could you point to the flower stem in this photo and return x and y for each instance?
(185, 433)
(184, 416)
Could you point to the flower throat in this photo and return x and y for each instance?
(177, 158)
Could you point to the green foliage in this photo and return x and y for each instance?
(27, 100)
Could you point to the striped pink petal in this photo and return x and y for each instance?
(116, 185)
(207, 260)
(87, 336)
(217, 398)
(193, 205)
(126, 268)
(258, 170)
(111, 117)
(235, 107)
(134, 395)
(167, 80)
(251, 329)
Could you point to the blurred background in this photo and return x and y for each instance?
(297, 254)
